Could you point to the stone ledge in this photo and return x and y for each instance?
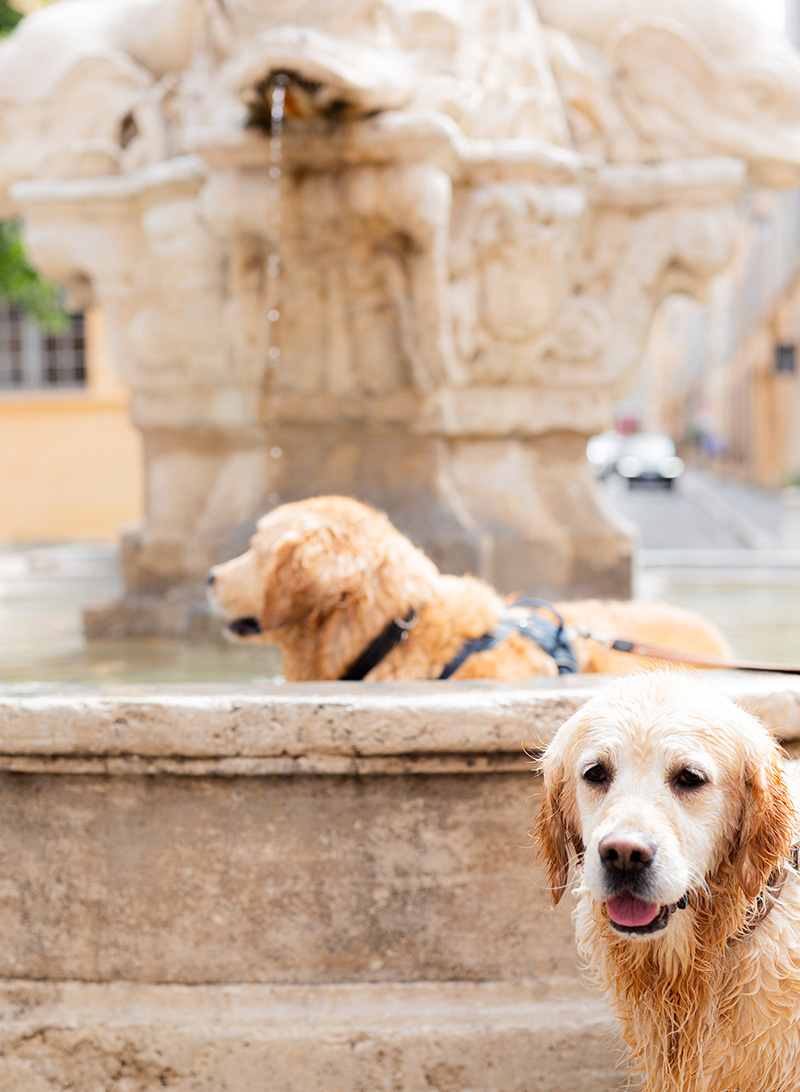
(317, 727)
(489, 1036)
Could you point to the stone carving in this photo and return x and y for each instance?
(410, 252)
(644, 80)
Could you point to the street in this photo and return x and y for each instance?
(700, 513)
(714, 545)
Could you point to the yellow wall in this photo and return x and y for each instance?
(70, 461)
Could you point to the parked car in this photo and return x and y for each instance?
(649, 457)
(603, 451)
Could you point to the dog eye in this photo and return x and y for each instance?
(688, 778)
(597, 774)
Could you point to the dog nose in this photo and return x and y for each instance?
(210, 576)
(626, 853)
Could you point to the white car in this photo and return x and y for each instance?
(649, 457)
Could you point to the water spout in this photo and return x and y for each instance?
(277, 109)
(300, 98)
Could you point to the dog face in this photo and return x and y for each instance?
(316, 559)
(661, 784)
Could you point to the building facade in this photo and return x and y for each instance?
(71, 460)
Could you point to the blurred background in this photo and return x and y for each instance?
(700, 466)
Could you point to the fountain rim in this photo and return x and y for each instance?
(338, 728)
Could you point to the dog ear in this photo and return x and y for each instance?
(311, 572)
(551, 831)
(766, 828)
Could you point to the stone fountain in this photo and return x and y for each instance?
(407, 251)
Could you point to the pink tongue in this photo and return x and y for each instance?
(628, 910)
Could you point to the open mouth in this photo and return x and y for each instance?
(245, 627)
(630, 914)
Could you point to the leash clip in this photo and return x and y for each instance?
(576, 629)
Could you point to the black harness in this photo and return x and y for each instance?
(549, 635)
(376, 650)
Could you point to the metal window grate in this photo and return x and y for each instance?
(33, 360)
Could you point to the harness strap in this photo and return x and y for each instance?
(764, 903)
(550, 636)
(377, 650)
(477, 644)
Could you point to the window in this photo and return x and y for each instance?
(31, 359)
(785, 358)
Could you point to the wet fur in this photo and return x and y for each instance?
(707, 1005)
(324, 576)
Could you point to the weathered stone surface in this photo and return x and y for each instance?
(326, 833)
(661, 78)
(329, 727)
(274, 879)
(448, 1037)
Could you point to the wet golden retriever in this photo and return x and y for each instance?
(324, 578)
(682, 811)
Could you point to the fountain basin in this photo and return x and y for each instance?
(319, 885)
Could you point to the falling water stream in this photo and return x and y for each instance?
(277, 109)
(277, 106)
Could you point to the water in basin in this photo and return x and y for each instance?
(44, 591)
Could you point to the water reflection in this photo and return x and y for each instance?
(43, 593)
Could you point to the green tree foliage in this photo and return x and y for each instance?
(19, 282)
(8, 17)
(22, 286)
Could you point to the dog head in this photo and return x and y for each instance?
(317, 560)
(662, 786)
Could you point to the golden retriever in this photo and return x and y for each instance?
(325, 577)
(682, 813)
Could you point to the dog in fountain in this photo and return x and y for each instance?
(346, 596)
(681, 814)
